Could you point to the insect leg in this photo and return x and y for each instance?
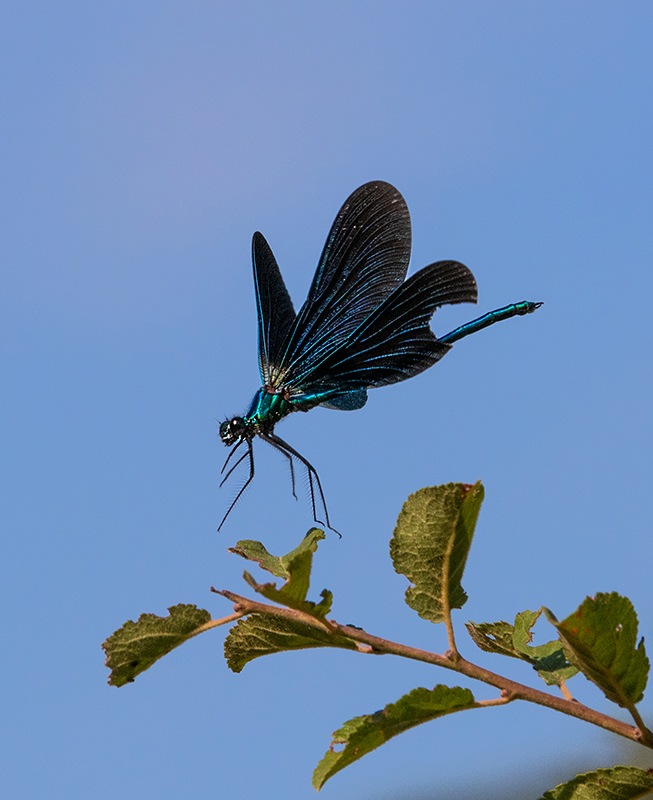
(231, 453)
(250, 453)
(313, 477)
(234, 466)
(290, 464)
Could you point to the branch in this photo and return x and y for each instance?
(510, 690)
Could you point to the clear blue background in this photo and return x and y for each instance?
(142, 144)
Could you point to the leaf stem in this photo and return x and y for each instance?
(453, 650)
(215, 623)
(493, 701)
(565, 691)
(647, 735)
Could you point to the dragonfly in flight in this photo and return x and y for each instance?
(363, 325)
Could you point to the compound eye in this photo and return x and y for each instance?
(231, 430)
(237, 426)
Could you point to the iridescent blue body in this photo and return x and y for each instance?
(267, 409)
(363, 325)
(499, 314)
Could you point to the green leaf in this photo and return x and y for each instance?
(515, 641)
(294, 568)
(137, 645)
(263, 634)
(548, 658)
(361, 735)
(617, 783)
(523, 631)
(430, 545)
(494, 637)
(295, 565)
(256, 551)
(600, 638)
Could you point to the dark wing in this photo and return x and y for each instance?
(395, 342)
(364, 260)
(276, 314)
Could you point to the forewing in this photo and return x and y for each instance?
(364, 260)
(276, 314)
(396, 342)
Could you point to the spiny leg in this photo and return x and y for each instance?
(289, 451)
(231, 453)
(290, 464)
(234, 466)
(250, 453)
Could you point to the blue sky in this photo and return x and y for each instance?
(143, 143)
